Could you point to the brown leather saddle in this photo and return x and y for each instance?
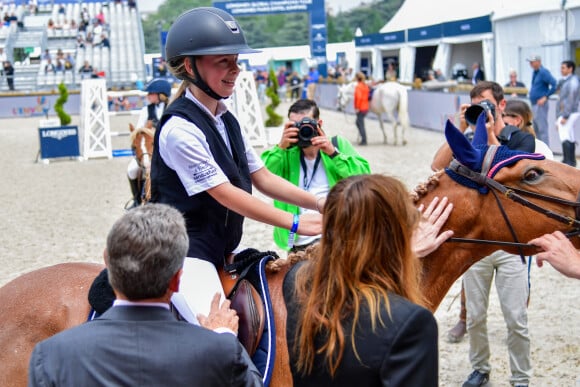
(246, 301)
(241, 288)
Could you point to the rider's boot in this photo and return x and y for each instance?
(136, 191)
(457, 333)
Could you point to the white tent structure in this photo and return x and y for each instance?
(301, 54)
(499, 34)
(540, 27)
(458, 32)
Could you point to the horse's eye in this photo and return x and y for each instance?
(533, 175)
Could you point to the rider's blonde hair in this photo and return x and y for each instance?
(178, 68)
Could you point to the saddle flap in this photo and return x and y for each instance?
(246, 301)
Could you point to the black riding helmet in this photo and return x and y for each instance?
(205, 31)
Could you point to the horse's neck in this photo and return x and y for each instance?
(444, 266)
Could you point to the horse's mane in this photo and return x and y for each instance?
(293, 258)
(150, 132)
(423, 188)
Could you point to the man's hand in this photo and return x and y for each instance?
(559, 252)
(323, 143)
(463, 125)
(490, 126)
(289, 135)
(426, 238)
(542, 101)
(220, 316)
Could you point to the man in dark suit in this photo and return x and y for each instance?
(478, 74)
(138, 342)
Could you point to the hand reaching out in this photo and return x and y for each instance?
(560, 252)
(426, 237)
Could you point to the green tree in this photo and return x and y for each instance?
(280, 29)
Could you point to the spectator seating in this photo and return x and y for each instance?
(122, 63)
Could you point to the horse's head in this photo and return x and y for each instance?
(500, 196)
(345, 94)
(142, 145)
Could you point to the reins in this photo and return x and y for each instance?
(518, 196)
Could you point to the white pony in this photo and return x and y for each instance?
(388, 98)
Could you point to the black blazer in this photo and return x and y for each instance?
(402, 353)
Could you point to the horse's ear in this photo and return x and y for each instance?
(480, 136)
(462, 149)
(131, 127)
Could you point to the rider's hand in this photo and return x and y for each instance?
(220, 316)
(310, 224)
(426, 237)
(289, 135)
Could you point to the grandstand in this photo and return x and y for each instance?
(55, 25)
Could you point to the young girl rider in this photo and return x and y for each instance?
(203, 165)
(158, 93)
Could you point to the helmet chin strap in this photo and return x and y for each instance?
(199, 82)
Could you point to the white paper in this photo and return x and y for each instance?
(199, 283)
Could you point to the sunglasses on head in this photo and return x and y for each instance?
(509, 115)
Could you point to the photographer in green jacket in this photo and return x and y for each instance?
(309, 159)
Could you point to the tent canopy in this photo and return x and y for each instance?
(507, 9)
(419, 13)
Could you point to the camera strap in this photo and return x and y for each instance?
(305, 180)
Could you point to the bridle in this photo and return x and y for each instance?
(517, 195)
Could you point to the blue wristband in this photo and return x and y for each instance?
(293, 231)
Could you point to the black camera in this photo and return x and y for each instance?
(475, 110)
(307, 130)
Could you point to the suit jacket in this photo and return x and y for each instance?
(403, 352)
(141, 346)
(478, 76)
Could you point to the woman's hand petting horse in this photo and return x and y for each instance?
(426, 237)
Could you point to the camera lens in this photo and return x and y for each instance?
(306, 132)
(472, 113)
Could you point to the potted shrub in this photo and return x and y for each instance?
(59, 141)
(59, 105)
(274, 121)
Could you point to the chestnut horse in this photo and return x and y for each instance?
(46, 301)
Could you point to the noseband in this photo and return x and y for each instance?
(517, 195)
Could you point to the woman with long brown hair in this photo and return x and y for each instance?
(354, 314)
